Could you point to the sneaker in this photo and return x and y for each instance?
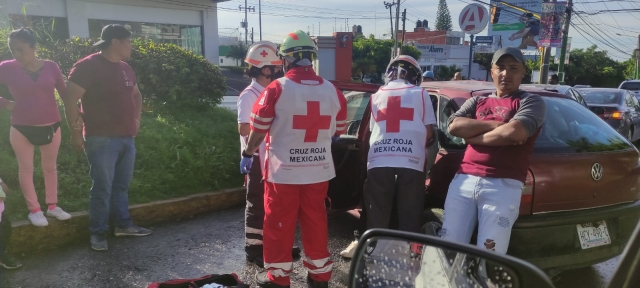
(132, 230)
(59, 214)
(316, 284)
(99, 242)
(8, 262)
(351, 249)
(38, 219)
(258, 260)
(262, 279)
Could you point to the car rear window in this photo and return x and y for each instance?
(630, 86)
(601, 97)
(356, 105)
(571, 128)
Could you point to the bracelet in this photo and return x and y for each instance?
(245, 155)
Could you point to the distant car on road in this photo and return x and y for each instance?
(581, 86)
(619, 108)
(631, 85)
(562, 89)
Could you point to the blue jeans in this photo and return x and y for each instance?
(492, 203)
(111, 161)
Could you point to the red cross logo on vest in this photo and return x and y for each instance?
(394, 113)
(264, 53)
(313, 122)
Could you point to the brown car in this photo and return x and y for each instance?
(579, 204)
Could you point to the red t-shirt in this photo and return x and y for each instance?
(108, 107)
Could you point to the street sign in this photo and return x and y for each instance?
(473, 18)
(484, 39)
(483, 49)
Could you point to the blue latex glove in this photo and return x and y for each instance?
(245, 164)
(335, 139)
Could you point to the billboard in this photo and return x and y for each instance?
(517, 28)
(434, 51)
(566, 56)
(552, 19)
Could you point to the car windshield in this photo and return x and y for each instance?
(570, 127)
(601, 97)
(635, 86)
(356, 105)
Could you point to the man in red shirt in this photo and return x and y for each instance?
(297, 115)
(111, 108)
(500, 130)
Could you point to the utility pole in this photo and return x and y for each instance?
(565, 36)
(404, 20)
(638, 60)
(260, 17)
(251, 35)
(395, 42)
(245, 23)
(471, 43)
(388, 6)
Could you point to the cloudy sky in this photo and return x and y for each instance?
(323, 17)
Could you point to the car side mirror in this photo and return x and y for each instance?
(388, 258)
(597, 110)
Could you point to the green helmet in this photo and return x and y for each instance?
(297, 41)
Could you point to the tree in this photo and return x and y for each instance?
(362, 67)
(238, 52)
(443, 17)
(596, 68)
(447, 72)
(484, 61)
(376, 52)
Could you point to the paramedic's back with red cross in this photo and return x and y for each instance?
(300, 113)
(399, 115)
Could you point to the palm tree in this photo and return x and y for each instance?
(238, 52)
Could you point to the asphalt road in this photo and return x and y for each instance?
(207, 244)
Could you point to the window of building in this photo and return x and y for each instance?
(188, 37)
(47, 28)
(453, 41)
(221, 61)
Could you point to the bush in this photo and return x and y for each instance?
(169, 77)
(176, 156)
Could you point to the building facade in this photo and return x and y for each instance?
(190, 24)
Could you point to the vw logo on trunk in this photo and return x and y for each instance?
(596, 171)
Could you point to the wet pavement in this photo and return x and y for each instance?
(208, 244)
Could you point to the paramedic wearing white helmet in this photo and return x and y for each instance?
(298, 116)
(401, 126)
(264, 66)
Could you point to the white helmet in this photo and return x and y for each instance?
(407, 65)
(263, 53)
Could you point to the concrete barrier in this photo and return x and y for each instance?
(29, 238)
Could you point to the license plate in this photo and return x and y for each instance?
(593, 234)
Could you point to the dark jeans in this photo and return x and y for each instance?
(5, 234)
(254, 213)
(111, 162)
(406, 186)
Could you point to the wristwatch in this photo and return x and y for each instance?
(245, 155)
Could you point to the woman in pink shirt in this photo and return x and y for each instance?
(35, 119)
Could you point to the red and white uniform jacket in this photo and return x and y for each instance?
(300, 113)
(248, 97)
(399, 115)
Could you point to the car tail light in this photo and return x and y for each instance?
(614, 115)
(526, 200)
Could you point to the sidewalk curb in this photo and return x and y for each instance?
(28, 238)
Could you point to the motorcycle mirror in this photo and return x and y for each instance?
(388, 258)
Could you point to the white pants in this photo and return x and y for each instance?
(493, 203)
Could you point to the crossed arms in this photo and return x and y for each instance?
(523, 125)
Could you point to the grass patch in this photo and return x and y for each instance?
(177, 155)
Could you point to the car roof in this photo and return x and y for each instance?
(549, 87)
(601, 89)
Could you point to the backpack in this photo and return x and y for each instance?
(226, 280)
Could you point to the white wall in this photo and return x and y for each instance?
(326, 64)
(78, 13)
(226, 61)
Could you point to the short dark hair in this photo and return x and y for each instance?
(253, 72)
(25, 35)
(554, 76)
